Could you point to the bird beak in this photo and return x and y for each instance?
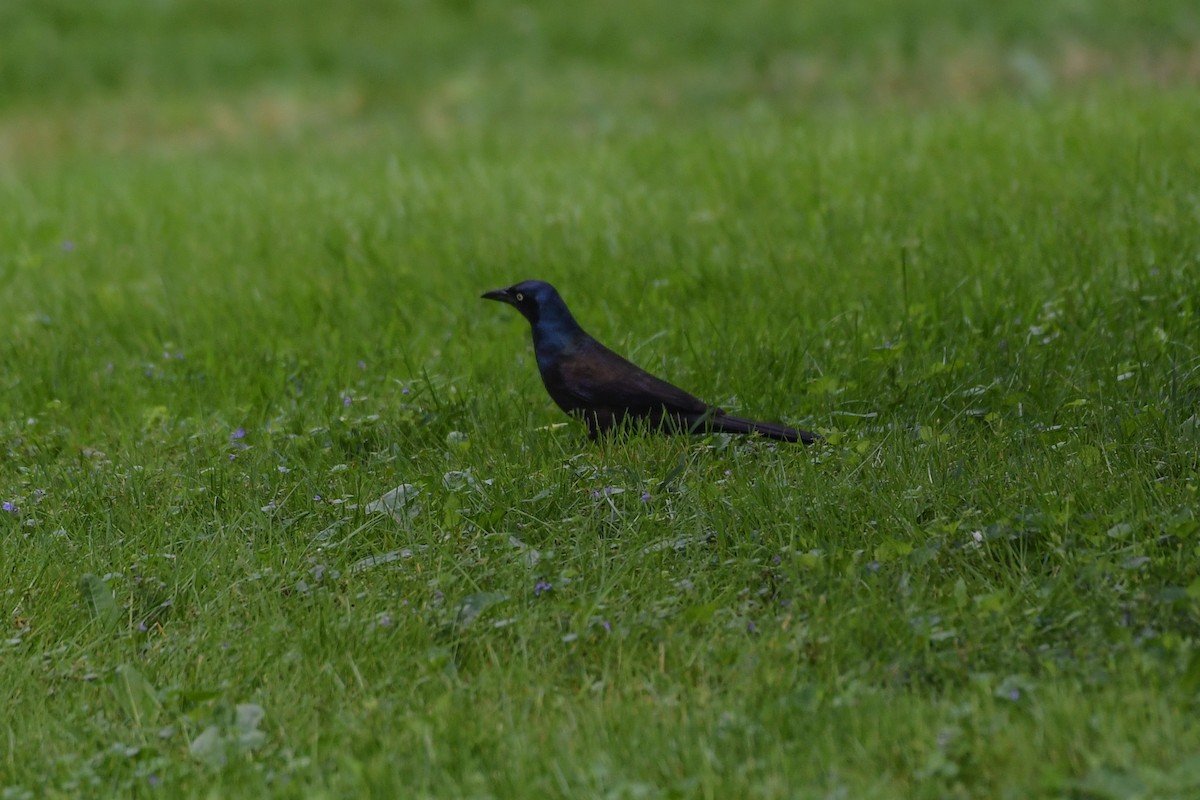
(503, 295)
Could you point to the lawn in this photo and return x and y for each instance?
(287, 510)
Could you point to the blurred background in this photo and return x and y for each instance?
(125, 74)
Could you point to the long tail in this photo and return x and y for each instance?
(723, 423)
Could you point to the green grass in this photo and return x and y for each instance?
(241, 259)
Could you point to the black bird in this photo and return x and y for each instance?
(591, 382)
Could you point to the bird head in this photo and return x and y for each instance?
(534, 299)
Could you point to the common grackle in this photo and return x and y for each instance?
(590, 381)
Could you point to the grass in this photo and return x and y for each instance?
(241, 268)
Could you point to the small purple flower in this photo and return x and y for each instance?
(751, 627)
(143, 627)
(240, 433)
(1014, 694)
(153, 780)
(728, 472)
(317, 498)
(606, 625)
(541, 587)
(362, 364)
(9, 507)
(384, 620)
(346, 399)
(645, 497)
(405, 390)
(233, 456)
(68, 246)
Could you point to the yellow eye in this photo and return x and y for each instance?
(520, 297)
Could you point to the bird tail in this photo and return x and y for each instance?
(723, 423)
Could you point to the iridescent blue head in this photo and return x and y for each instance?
(539, 302)
(554, 329)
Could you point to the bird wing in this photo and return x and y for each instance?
(595, 376)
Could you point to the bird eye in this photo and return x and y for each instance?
(520, 297)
